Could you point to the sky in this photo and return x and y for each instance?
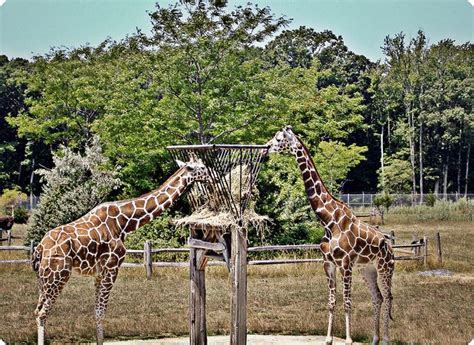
(32, 27)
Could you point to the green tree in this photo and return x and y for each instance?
(396, 176)
(211, 78)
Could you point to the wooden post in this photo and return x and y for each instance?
(32, 247)
(147, 259)
(392, 237)
(425, 258)
(197, 299)
(9, 236)
(416, 250)
(438, 248)
(238, 332)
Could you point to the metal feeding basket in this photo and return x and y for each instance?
(233, 170)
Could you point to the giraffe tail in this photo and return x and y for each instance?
(36, 259)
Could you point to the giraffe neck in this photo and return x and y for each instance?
(328, 210)
(137, 212)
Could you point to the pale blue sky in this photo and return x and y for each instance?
(29, 27)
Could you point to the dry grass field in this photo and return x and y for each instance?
(287, 299)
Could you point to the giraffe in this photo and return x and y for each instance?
(347, 242)
(94, 244)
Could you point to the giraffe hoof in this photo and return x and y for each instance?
(329, 341)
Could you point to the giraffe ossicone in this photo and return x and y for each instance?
(348, 242)
(94, 244)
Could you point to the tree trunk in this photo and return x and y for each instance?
(412, 149)
(381, 159)
(421, 162)
(436, 187)
(467, 168)
(458, 182)
(31, 182)
(445, 178)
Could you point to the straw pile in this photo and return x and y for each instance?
(215, 217)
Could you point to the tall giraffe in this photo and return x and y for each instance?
(347, 241)
(94, 244)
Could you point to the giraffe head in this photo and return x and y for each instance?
(195, 170)
(284, 141)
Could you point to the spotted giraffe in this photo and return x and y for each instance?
(94, 244)
(347, 242)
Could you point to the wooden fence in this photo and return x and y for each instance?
(417, 250)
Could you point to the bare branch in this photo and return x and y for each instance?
(228, 131)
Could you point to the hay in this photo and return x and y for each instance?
(213, 201)
(205, 217)
(213, 215)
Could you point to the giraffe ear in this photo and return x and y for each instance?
(180, 163)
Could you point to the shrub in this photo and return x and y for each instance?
(286, 203)
(430, 200)
(162, 233)
(21, 215)
(383, 200)
(9, 198)
(74, 186)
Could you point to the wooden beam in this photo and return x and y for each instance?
(438, 248)
(282, 261)
(285, 247)
(147, 259)
(197, 301)
(238, 332)
(425, 259)
(199, 244)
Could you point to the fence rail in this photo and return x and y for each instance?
(415, 254)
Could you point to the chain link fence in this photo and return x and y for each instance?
(367, 199)
(353, 200)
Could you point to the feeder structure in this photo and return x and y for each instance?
(218, 227)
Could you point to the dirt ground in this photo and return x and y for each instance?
(251, 340)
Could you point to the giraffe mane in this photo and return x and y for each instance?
(305, 148)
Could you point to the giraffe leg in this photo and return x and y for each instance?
(40, 322)
(51, 282)
(347, 285)
(386, 274)
(330, 269)
(104, 283)
(369, 273)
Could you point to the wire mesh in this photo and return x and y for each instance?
(228, 165)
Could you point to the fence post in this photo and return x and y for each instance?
(147, 259)
(392, 237)
(416, 250)
(425, 258)
(32, 247)
(9, 236)
(438, 248)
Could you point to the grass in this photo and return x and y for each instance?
(281, 299)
